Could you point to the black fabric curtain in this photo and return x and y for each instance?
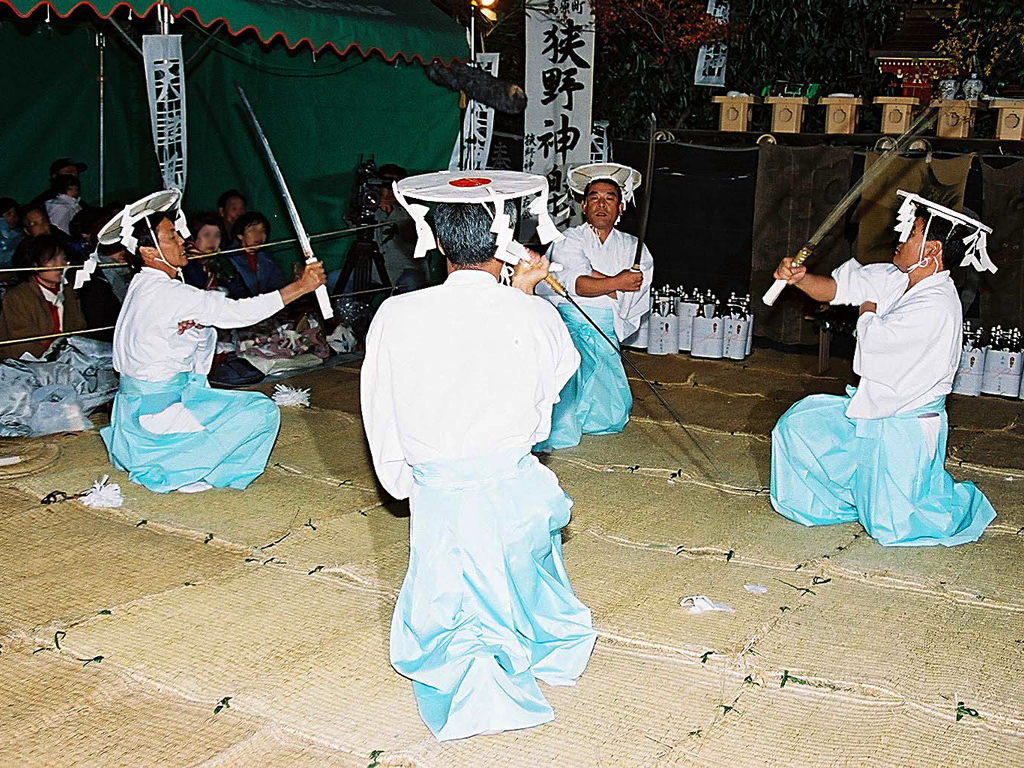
(702, 214)
(797, 187)
(1002, 293)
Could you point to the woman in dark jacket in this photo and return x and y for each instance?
(41, 305)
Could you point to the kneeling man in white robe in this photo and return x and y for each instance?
(597, 260)
(457, 385)
(878, 454)
(169, 430)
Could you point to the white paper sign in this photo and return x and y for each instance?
(712, 58)
(473, 147)
(165, 83)
(559, 89)
(600, 145)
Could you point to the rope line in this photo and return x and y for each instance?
(48, 336)
(5, 342)
(272, 244)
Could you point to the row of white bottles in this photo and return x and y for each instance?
(694, 323)
(993, 368)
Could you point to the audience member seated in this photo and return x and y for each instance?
(397, 242)
(64, 205)
(10, 231)
(43, 304)
(230, 205)
(257, 271)
(34, 223)
(62, 166)
(207, 237)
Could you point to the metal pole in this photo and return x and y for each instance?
(464, 159)
(101, 44)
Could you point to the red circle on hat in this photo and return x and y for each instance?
(470, 182)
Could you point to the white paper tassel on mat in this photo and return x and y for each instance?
(103, 495)
(290, 396)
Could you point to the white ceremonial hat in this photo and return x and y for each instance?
(485, 187)
(120, 228)
(627, 178)
(976, 241)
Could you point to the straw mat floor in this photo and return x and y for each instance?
(251, 628)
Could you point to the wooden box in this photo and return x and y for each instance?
(897, 113)
(735, 112)
(1011, 119)
(956, 118)
(787, 113)
(841, 116)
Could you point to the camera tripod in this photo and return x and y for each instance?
(363, 255)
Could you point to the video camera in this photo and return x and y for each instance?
(366, 193)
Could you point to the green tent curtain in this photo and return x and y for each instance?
(319, 117)
(410, 29)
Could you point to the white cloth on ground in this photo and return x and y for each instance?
(435, 387)
(582, 252)
(907, 351)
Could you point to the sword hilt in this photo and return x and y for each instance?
(555, 286)
(802, 255)
(773, 293)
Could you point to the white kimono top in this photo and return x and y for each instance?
(909, 350)
(147, 344)
(582, 252)
(465, 369)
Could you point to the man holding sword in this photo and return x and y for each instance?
(877, 455)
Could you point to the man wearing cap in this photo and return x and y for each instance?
(457, 385)
(62, 166)
(598, 264)
(169, 430)
(877, 455)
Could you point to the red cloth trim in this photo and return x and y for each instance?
(364, 52)
(253, 260)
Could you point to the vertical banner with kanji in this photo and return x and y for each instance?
(712, 58)
(473, 147)
(165, 84)
(559, 86)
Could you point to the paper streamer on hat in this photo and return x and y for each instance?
(491, 188)
(905, 219)
(120, 228)
(976, 242)
(546, 229)
(85, 273)
(418, 212)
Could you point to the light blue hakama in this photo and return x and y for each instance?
(239, 430)
(596, 400)
(486, 607)
(827, 468)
